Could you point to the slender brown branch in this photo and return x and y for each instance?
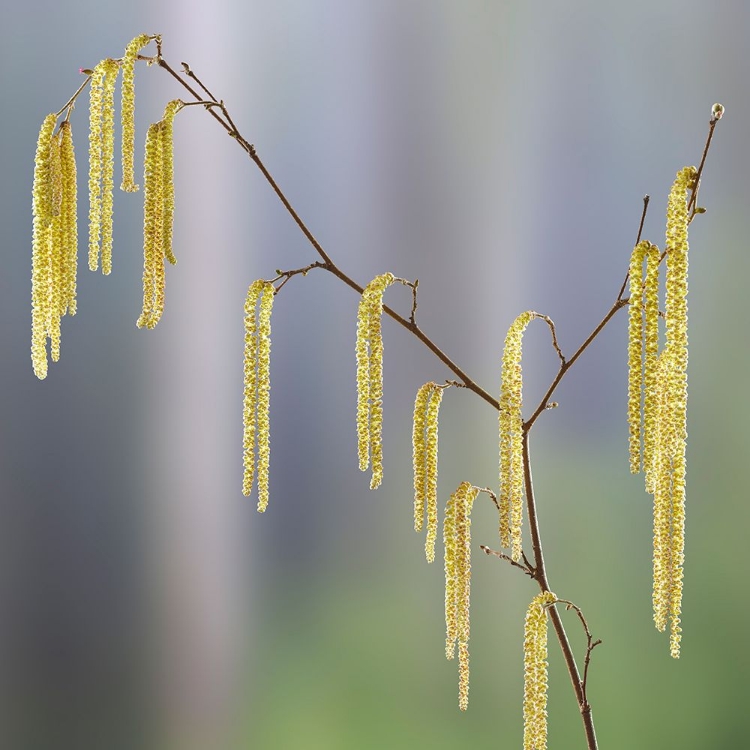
(328, 262)
(646, 199)
(502, 556)
(537, 570)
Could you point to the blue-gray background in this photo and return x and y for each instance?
(497, 151)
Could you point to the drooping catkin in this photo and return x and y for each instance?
(158, 213)
(128, 111)
(511, 437)
(101, 163)
(643, 304)
(425, 457)
(257, 383)
(676, 317)
(535, 672)
(168, 178)
(69, 218)
(369, 352)
(457, 543)
(55, 240)
(41, 262)
(153, 217)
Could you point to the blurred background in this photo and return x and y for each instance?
(497, 151)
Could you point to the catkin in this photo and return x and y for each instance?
(369, 351)
(54, 248)
(457, 543)
(128, 111)
(643, 303)
(158, 214)
(153, 215)
(535, 672)
(425, 455)
(511, 437)
(676, 317)
(101, 163)
(257, 383)
(41, 247)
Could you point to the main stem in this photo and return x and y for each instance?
(539, 571)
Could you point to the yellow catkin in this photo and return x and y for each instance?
(535, 672)
(511, 437)
(651, 351)
(168, 178)
(41, 247)
(101, 163)
(153, 216)
(425, 455)
(457, 543)
(369, 351)
(257, 388)
(433, 413)
(419, 453)
(264, 387)
(69, 219)
(643, 304)
(96, 98)
(128, 111)
(56, 249)
(676, 317)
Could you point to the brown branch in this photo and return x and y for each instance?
(538, 570)
(502, 556)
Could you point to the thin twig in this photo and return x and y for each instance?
(529, 572)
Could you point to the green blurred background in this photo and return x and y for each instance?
(498, 151)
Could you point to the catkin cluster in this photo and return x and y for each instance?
(511, 437)
(535, 672)
(158, 213)
(257, 388)
(457, 542)
(662, 378)
(370, 377)
(55, 240)
(425, 454)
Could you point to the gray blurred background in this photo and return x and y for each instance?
(497, 151)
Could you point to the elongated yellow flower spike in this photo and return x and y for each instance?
(153, 219)
(425, 455)
(676, 316)
(643, 303)
(257, 377)
(168, 177)
(41, 263)
(158, 213)
(55, 240)
(535, 672)
(128, 111)
(101, 163)
(369, 352)
(68, 219)
(511, 437)
(457, 542)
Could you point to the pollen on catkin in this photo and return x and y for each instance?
(535, 672)
(511, 437)
(457, 543)
(425, 456)
(257, 384)
(643, 304)
(369, 351)
(128, 111)
(54, 244)
(168, 178)
(101, 163)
